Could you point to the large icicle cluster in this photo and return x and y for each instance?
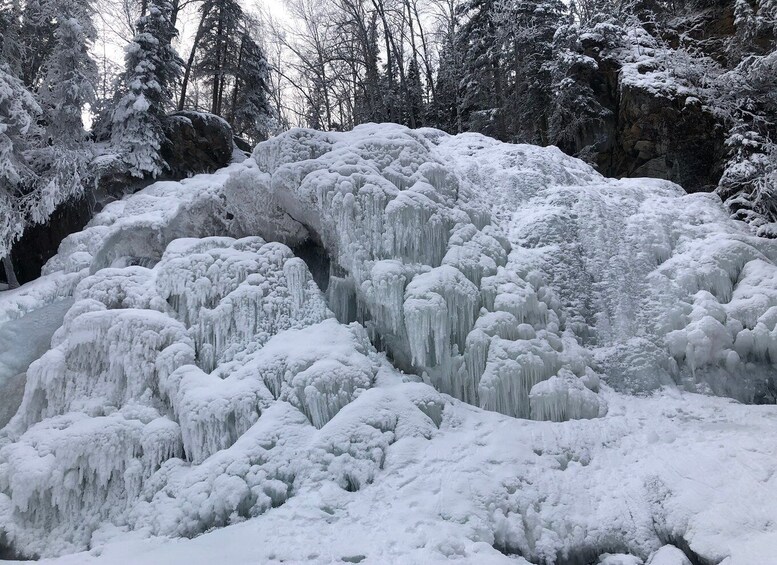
(658, 284)
(417, 259)
(157, 367)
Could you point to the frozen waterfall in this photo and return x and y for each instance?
(201, 377)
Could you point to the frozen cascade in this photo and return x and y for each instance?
(385, 291)
(512, 369)
(21, 342)
(67, 474)
(106, 358)
(121, 374)
(397, 223)
(439, 310)
(341, 297)
(199, 378)
(240, 292)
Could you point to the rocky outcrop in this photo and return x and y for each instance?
(672, 138)
(645, 131)
(197, 143)
(40, 242)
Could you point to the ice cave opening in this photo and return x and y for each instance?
(317, 259)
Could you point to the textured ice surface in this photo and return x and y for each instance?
(22, 341)
(417, 258)
(201, 379)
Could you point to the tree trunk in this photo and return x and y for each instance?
(410, 108)
(217, 78)
(188, 71)
(236, 89)
(427, 60)
(10, 274)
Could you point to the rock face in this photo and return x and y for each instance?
(39, 243)
(667, 138)
(198, 143)
(647, 132)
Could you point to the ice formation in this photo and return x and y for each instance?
(205, 375)
(416, 256)
(155, 368)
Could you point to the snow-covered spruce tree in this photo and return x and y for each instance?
(481, 106)
(745, 98)
(10, 45)
(748, 102)
(67, 87)
(36, 41)
(18, 113)
(151, 67)
(70, 72)
(218, 48)
(525, 31)
(444, 111)
(414, 106)
(251, 113)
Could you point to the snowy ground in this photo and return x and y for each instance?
(664, 468)
(203, 402)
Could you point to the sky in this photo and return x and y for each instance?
(187, 24)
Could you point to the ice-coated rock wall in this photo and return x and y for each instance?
(201, 377)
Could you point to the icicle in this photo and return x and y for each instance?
(296, 273)
(341, 298)
(439, 308)
(475, 354)
(563, 397)
(512, 369)
(325, 387)
(385, 294)
(427, 327)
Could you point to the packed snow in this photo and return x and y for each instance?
(499, 355)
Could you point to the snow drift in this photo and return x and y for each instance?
(202, 377)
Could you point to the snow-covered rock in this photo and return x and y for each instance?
(202, 378)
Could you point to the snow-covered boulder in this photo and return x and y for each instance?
(197, 142)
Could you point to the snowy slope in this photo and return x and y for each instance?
(496, 353)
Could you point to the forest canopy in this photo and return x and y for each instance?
(683, 90)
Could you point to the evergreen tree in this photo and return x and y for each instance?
(525, 31)
(36, 40)
(251, 110)
(10, 46)
(414, 105)
(151, 67)
(445, 106)
(67, 87)
(70, 73)
(18, 114)
(481, 106)
(219, 46)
